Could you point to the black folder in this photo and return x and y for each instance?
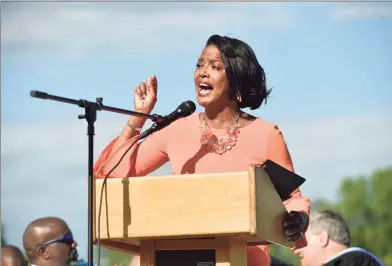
(284, 181)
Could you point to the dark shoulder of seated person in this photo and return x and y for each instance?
(355, 258)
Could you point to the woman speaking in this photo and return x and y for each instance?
(223, 138)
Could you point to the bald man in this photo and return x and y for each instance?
(12, 256)
(49, 241)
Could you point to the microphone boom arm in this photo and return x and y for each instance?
(98, 106)
(90, 115)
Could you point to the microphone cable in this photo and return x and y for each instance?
(101, 197)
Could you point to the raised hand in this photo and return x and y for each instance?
(145, 95)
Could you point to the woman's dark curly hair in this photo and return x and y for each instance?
(245, 75)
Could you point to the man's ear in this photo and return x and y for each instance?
(323, 239)
(44, 253)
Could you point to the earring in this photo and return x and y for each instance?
(239, 98)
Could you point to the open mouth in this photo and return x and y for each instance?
(204, 89)
(205, 86)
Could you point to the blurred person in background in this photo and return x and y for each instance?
(12, 256)
(328, 243)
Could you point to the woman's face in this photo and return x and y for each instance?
(210, 79)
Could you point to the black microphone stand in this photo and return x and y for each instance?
(90, 115)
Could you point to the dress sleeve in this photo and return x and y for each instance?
(277, 151)
(139, 160)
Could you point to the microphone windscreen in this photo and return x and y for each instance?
(38, 94)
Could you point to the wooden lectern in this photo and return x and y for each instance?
(198, 219)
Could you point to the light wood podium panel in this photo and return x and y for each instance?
(224, 212)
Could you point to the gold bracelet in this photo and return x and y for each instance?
(138, 129)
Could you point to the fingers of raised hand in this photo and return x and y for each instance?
(138, 93)
(152, 85)
(141, 91)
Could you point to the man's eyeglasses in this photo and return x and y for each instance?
(67, 239)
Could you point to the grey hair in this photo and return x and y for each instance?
(333, 223)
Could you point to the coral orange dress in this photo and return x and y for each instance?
(179, 144)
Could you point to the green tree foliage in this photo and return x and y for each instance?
(113, 257)
(116, 257)
(365, 203)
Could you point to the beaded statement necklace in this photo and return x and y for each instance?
(226, 142)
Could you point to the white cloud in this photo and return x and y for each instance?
(354, 11)
(80, 27)
(326, 150)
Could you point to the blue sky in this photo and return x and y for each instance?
(329, 63)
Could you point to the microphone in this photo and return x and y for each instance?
(183, 110)
(39, 94)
